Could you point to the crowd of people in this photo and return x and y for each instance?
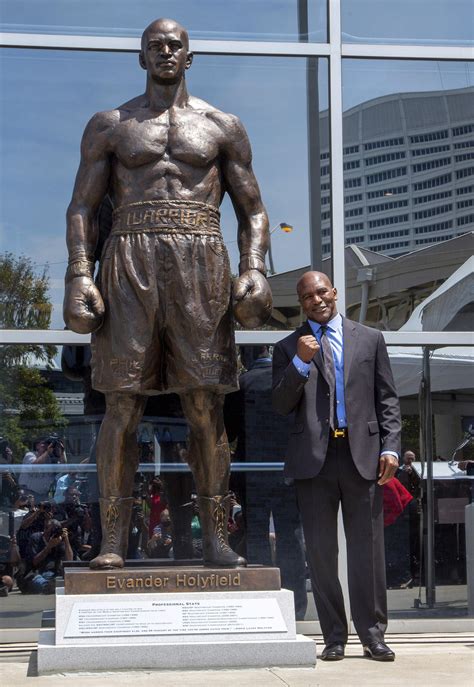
(54, 518)
(58, 524)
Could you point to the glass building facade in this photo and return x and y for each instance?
(360, 115)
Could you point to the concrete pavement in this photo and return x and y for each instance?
(422, 660)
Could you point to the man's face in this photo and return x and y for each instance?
(317, 297)
(165, 54)
(408, 457)
(72, 496)
(41, 447)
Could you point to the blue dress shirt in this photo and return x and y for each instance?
(334, 335)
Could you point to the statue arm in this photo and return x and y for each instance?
(83, 305)
(251, 292)
(242, 187)
(91, 185)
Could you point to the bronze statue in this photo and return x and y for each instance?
(160, 311)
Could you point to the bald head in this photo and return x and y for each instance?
(317, 296)
(164, 25)
(309, 277)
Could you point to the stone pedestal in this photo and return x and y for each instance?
(173, 630)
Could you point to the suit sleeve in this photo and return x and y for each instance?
(387, 406)
(288, 384)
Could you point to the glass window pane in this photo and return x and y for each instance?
(48, 403)
(408, 178)
(49, 97)
(441, 22)
(406, 527)
(208, 19)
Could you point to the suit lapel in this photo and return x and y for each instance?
(350, 342)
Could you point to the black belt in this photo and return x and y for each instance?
(338, 433)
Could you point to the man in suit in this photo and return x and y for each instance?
(334, 376)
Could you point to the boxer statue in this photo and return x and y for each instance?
(160, 308)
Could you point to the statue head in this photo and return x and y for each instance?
(165, 52)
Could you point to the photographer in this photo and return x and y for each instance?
(48, 449)
(9, 489)
(46, 552)
(161, 541)
(34, 521)
(74, 516)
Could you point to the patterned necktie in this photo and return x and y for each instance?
(330, 374)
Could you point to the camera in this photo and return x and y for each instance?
(56, 532)
(55, 441)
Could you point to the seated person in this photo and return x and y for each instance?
(9, 561)
(74, 516)
(34, 521)
(46, 552)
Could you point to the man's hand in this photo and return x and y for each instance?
(388, 466)
(53, 542)
(307, 347)
(83, 307)
(252, 299)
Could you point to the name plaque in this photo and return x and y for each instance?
(170, 580)
(174, 617)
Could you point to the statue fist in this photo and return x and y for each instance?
(252, 299)
(83, 308)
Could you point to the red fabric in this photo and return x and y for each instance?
(158, 504)
(395, 499)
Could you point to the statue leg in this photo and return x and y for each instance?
(117, 462)
(209, 459)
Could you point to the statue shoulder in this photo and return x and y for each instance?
(230, 124)
(100, 126)
(235, 142)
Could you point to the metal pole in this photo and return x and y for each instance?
(314, 163)
(428, 433)
(270, 255)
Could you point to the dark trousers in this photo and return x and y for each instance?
(339, 482)
(267, 493)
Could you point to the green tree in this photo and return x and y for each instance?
(28, 407)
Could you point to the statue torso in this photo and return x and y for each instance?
(174, 155)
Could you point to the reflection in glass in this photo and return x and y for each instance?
(209, 19)
(48, 474)
(407, 520)
(408, 21)
(50, 95)
(273, 530)
(408, 178)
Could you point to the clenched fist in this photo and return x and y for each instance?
(83, 307)
(307, 347)
(252, 299)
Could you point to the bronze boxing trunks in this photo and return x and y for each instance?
(166, 283)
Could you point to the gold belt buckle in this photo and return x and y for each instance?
(339, 433)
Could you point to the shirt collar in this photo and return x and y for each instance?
(334, 324)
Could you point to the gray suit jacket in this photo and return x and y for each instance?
(372, 408)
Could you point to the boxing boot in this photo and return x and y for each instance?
(115, 513)
(213, 513)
